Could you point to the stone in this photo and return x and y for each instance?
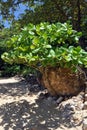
(84, 113)
(55, 97)
(50, 99)
(85, 105)
(82, 93)
(41, 96)
(85, 97)
(72, 107)
(85, 124)
(59, 100)
(86, 90)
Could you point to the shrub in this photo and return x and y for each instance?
(46, 45)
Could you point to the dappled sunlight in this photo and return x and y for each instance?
(24, 115)
(22, 109)
(10, 80)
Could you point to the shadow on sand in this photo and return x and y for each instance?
(24, 115)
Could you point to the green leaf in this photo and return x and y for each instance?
(35, 40)
(68, 58)
(32, 59)
(22, 49)
(76, 39)
(32, 47)
(52, 53)
(78, 49)
(48, 46)
(36, 50)
(31, 32)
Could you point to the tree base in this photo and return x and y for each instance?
(61, 81)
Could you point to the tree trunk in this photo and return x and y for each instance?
(61, 81)
(78, 16)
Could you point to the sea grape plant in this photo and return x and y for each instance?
(46, 45)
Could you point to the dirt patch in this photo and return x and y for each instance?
(26, 106)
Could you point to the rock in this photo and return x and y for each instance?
(84, 113)
(55, 97)
(77, 118)
(85, 124)
(49, 101)
(34, 88)
(41, 96)
(85, 97)
(81, 106)
(85, 105)
(59, 100)
(86, 89)
(81, 95)
(72, 107)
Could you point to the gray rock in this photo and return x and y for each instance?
(59, 100)
(49, 99)
(55, 97)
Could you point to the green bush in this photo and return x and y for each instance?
(10, 70)
(45, 45)
(16, 69)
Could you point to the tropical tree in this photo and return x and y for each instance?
(53, 50)
(37, 11)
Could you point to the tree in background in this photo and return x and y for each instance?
(36, 11)
(46, 10)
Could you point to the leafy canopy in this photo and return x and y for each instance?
(45, 45)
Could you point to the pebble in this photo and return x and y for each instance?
(59, 100)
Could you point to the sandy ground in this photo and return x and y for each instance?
(23, 110)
